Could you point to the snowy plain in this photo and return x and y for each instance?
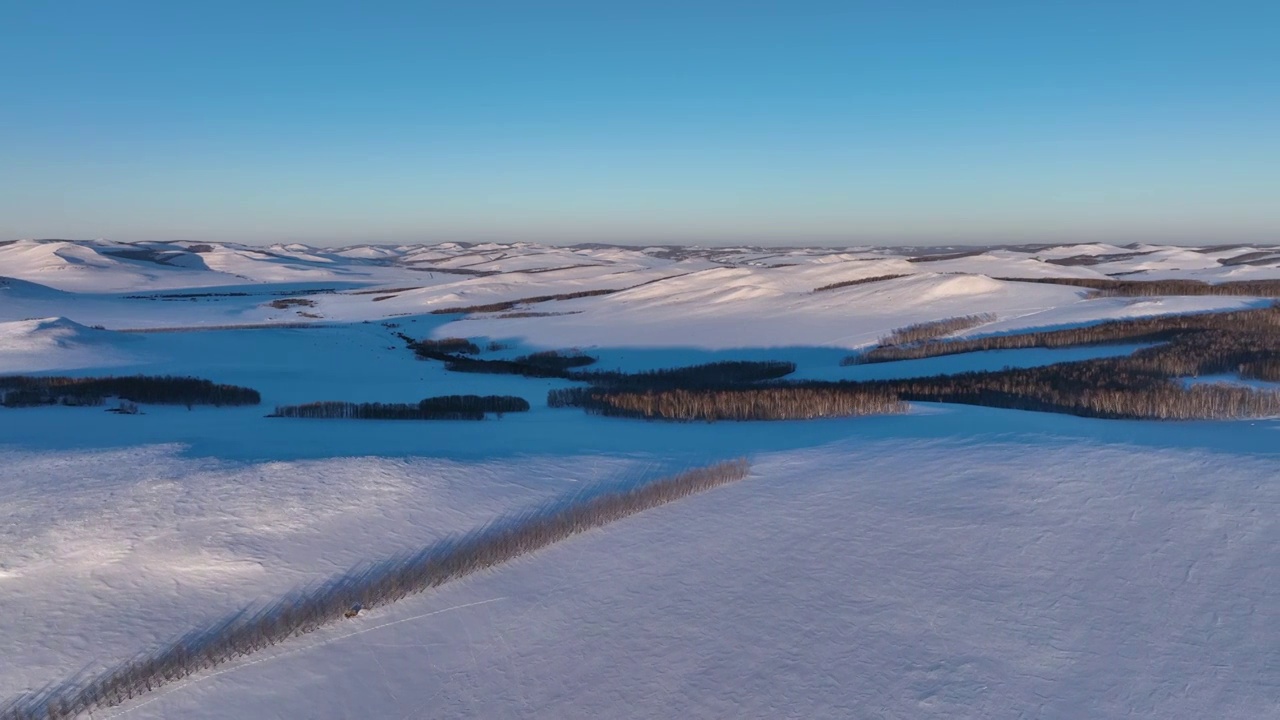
(951, 562)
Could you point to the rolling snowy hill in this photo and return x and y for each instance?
(954, 561)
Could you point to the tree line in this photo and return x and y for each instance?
(935, 329)
(1261, 321)
(556, 360)
(780, 402)
(368, 586)
(1143, 385)
(445, 407)
(859, 281)
(565, 365)
(445, 345)
(1088, 389)
(456, 354)
(1099, 389)
(1151, 288)
(509, 304)
(704, 375)
(1267, 369)
(28, 391)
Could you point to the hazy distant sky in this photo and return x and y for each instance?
(641, 121)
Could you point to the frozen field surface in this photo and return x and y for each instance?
(856, 579)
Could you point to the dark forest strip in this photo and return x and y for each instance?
(936, 328)
(1162, 328)
(509, 304)
(445, 407)
(775, 402)
(1144, 385)
(1151, 288)
(859, 281)
(30, 391)
(1087, 389)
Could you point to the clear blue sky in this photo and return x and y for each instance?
(893, 121)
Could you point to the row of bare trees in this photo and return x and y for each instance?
(1255, 326)
(1267, 369)
(780, 402)
(444, 345)
(457, 356)
(566, 365)
(1110, 389)
(859, 281)
(935, 329)
(1144, 385)
(1152, 288)
(1089, 389)
(705, 375)
(509, 304)
(29, 390)
(445, 407)
(368, 586)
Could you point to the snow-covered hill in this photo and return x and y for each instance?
(108, 266)
(60, 344)
(976, 578)
(593, 295)
(951, 562)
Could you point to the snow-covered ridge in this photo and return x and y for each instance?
(109, 266)
(595, 295)
(56, 343)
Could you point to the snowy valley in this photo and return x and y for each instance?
(988, 546)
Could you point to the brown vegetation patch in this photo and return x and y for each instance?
(286, 303)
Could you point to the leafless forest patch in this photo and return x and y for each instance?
(445, 407)
(1154, 288)
(1144, 385)
(1258, 327)
(936, 328)
(859, 281)
(786, 402)
(29, 391)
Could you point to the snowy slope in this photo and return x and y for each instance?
(60, 344)
(108, 266)
(896, 579)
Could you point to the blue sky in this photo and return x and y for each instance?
(766, 122)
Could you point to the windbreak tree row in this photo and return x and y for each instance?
(859, 281)
(935, 328)
(306, 610)
(509, 304)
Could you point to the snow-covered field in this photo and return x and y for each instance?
(951, 562)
